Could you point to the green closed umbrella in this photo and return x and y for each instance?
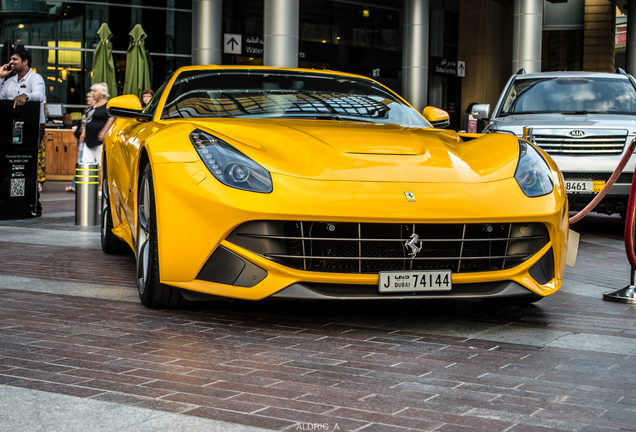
(137, 74)
(103, 65)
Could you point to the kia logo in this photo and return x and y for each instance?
(577, 133)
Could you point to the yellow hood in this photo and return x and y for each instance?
(358, 151)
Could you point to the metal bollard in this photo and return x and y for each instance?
(86, 202)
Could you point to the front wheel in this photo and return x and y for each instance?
(152, 292)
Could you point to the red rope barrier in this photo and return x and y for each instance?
(629, 226)
(619, 169)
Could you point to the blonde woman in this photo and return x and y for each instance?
(97, 124)
(79, 134)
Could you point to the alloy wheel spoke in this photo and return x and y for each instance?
(143, 222)
(105, 207)
(104, 221)
(144, 206)
(142, 264)
(140, 260)
(105, 189)
(142, 236)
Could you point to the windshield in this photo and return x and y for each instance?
(571, 95)
(272, 94)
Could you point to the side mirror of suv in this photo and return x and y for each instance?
(481, 111)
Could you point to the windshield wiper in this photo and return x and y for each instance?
(574, 112)
(327, 117)
(521, 113)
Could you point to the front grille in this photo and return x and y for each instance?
(622, 178)
(375, 247)
(593, 143)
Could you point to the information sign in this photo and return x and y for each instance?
(19, 134)
(232, 43)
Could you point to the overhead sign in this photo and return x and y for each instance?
(442, 66)
(254, 46)
(461, 69)
(232, 43)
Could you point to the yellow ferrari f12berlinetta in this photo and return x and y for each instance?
(256, 182)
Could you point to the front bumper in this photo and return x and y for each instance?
(196, 214)
(614, 202)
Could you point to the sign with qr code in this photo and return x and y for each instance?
(19, 144)
(17, 187)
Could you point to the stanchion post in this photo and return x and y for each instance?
(626, 294)
(87, 185)
(623, 295)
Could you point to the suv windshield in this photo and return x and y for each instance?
(273, 94)
(570, 95)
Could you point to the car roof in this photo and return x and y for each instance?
(571, 74)
(268, 68)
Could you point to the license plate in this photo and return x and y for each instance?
(583, 186)
(415, 281)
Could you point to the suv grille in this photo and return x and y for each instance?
(374, 247)
(622, 178)
(591, 143)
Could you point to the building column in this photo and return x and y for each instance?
(527, 26)
(207, 31)
(630, 46)
(280, 30)
(415, 53)
(599, 35)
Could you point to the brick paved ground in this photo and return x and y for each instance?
(381, 366)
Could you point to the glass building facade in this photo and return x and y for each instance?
(363, 37)
(62, 37)
(345, 36)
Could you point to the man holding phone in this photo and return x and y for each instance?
(24, 86)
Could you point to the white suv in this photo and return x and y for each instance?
(583, 120)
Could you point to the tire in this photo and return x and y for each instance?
(152, 292)
(111, 244)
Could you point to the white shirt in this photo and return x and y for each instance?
(31, 84)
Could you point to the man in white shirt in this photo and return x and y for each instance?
(24, 86)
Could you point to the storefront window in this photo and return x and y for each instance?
(54, 21)
(387, 30)
(353, 25)
(62, 73)
(62, 36)
(243, 17)
(315, 21)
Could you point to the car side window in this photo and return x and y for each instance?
(152, 105)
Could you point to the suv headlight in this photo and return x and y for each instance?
(533, 174)
(230, 166)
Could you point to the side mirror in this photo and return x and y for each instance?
(127, 106)
(436, 117)
(481, 111)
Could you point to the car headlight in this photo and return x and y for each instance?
(230, 166)
(533, 174)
